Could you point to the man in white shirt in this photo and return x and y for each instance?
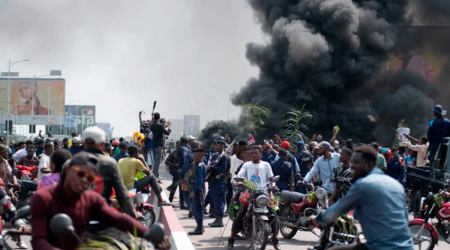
(22, 149)
(44, 162)
(421, 148)
(324, 165)
(260, 173)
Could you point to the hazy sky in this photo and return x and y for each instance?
(123, 55)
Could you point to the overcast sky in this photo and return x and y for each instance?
(123, 55)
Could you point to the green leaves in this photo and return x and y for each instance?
(255, 114)
(295, 130)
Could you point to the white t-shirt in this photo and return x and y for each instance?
(44, 162)
(257, 173)
(235, 163)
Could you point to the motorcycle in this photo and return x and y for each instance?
(296, 208)
(61, 225)
(22, 213)
(140, 204)
(256, 222)
(341, 232)
(425, 231)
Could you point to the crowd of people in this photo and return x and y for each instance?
(79, 176)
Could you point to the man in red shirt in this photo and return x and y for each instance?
(71, 197)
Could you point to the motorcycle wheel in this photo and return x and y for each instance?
(262, 235)
(287, 232)
(425, 237)
(416, 204)
(148, 217)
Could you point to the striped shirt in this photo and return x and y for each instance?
(24, 161)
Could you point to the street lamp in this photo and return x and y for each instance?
(206, 111)
(9, 65)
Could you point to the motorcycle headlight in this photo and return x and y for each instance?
(262, 200)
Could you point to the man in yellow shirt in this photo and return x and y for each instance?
(129, 167)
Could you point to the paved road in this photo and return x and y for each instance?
(217, 238)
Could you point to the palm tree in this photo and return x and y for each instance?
(255, 114)
(295, 130)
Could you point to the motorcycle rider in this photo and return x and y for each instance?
(71, 196)
(372, 194)
(265, 174)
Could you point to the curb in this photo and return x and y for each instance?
(167, 216)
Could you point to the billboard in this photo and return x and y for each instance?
(33, 101)
(105, 127)
(79, 117)
(191, 124)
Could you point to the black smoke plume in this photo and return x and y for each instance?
(329, 54)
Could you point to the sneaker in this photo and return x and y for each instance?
(164, 203)
(276, 244)
(21, 244)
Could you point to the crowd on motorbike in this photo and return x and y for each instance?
(78, 193)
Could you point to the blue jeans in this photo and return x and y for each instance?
(157, 154)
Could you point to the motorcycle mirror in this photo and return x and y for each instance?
(276, 178)
(156, 234)
(22, 213)
(238, 179)
(61, 225)
(298, 177)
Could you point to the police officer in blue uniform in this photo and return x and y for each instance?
(197, 191)
(218, 180)
(283, 168)
(188, 159)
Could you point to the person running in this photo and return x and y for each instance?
(372, 194)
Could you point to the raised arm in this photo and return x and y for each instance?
(140, 118)
(334, 136)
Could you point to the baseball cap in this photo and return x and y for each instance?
(75, 140)
(108, 144)
(325, 144)
(95, 133)
(190, 137)
(285, 145)
(220, 142)
(300, 144)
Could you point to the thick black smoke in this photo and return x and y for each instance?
(215, 129)
(328, 54)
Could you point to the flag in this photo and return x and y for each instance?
(251, 139)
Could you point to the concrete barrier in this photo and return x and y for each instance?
(167, 216)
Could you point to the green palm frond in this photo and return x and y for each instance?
(295, 130)
(255, 113)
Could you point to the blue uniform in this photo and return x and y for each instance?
(181, 154)
(267, 157)
(282, 168)
(396, 170)
(73, 150)
(198, 188)
(188, 159)
(218, 184)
